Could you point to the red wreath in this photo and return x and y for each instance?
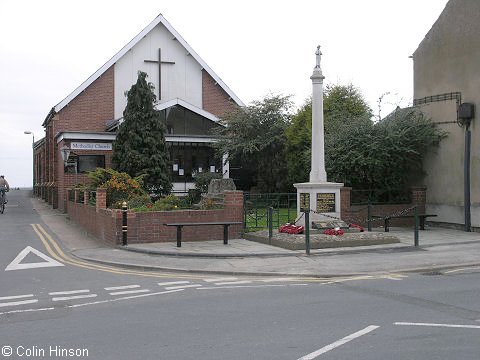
(291, 229)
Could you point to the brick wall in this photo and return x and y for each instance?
(214, 99)
(88, 111)
(144, 227)
(358, 214)
(92, 108)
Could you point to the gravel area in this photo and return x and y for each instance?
(321, 241)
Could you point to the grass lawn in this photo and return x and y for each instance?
(256, 219)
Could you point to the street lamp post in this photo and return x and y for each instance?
(33, 159)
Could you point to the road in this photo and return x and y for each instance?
(53, 306)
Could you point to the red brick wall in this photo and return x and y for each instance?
(214, 99)
(358, 214)
(146, 227)
(92, 108)
(88, 111)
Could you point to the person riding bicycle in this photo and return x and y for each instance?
(4, 187)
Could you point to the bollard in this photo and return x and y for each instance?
(415, 235)
(307, 232)
(124, 224)
(369, 216)
(270, 224)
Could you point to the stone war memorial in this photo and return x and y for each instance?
(318, 194)
(324, 202)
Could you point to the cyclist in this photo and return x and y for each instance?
(4, 187)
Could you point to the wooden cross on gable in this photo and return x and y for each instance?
(159, 62)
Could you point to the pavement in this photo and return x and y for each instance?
(439, 249)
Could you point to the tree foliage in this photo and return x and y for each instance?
(387, 155)
(140, 146)
(343, 105)
(254, 138)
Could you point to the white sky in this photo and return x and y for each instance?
(49, 47)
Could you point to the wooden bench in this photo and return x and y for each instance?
(225, 225)
(421, 217)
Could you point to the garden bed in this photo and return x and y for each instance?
(321, 241)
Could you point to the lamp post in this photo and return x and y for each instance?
(33, 159)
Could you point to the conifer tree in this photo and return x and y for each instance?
(140, 147)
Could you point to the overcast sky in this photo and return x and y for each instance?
(49, 47)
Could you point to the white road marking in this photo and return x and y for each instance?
(70, 292)
(123, 298)
(438, 325)
(233, 282)
(15, 264)
(173, 283)
(26, 310)
(246, 286)
(15, 297)
(122, 287)
(16, 303)
(66, 298)
(278, 279)
(91, 303)
(183, 287)
(391, 278)
(220, 279)
(130, 292)
(338, 343)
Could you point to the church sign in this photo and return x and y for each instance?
(90, 146)
(326, 202)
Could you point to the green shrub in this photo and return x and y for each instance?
(120, 186)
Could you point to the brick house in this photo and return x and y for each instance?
(446, 75)
(80, 129)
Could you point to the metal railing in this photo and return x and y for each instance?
(256, 209)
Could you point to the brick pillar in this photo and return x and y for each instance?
(86, 195)
(233, 203)
(345, 201)
(75, 196)
(419, 197)
(101, 201)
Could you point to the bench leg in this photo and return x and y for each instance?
(225, 234)
(422, 223)
(387, 223)
(179, 236)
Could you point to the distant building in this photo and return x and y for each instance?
(447, 74)
(80, 129)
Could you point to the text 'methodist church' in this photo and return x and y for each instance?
(80, 129)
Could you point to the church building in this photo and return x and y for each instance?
(80, 129)
(446, 89)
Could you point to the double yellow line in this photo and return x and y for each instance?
(57, 253)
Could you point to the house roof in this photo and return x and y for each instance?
(158, 20)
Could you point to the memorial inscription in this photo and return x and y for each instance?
(326, 202)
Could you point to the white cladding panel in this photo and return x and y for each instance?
(181, 80)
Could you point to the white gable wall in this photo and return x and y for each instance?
(181, 80)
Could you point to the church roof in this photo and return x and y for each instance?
(158, 20)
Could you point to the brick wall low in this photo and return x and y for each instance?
(144, 227)
(358, 214)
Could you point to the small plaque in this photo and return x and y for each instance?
(325, 202)
(304, 202)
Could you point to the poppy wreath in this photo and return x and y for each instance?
(334, 232)
(291, 229)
